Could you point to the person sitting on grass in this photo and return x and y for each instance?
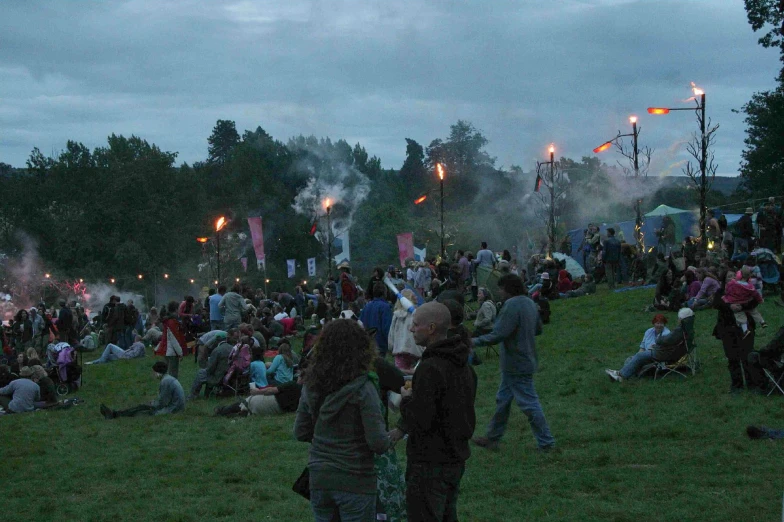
(171, 397)
(485, 317)
(46, 386)
(587, 288)
(668, 348)
(282, 365)
(217, 366)
(112, 352)
(20, 395)
(266, 400)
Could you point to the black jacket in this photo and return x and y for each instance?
(745, 227)
(439, 417)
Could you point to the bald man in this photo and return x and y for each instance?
(438, 415)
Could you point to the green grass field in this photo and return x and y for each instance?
(674, 449)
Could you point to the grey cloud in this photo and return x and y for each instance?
(526, 73)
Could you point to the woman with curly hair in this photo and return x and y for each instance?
(340, 414)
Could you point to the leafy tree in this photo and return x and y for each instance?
(222, 141)
(762, 167)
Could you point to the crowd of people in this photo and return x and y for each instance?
(396, 343)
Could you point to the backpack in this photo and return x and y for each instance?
(348, 288)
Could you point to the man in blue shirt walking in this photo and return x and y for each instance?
(517, 324)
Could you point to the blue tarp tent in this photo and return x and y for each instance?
(686, 224)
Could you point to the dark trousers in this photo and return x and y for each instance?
(737, 350)
(142, 409)
(432, 490)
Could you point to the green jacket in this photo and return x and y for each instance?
(218, 363)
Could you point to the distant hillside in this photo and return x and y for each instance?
(724, 184)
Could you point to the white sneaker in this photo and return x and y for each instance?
(614, 375)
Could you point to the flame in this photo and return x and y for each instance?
(220, 223)
(696, 90)
(420, 200)
(551, 150)
(603, 147)
(327, 204)
(632, 119)
(658, 110)
(440, 169)
(202, 239)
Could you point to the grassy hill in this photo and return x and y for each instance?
(674, 449)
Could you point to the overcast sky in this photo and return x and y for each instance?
(526, 73)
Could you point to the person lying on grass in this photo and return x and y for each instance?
(171, 397)
(112, 352)
(667, 348)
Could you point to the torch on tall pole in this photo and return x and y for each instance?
(638, 235)
(702, 157)
(440, 170)
(219, 224)
(328, 208)
(550, 182)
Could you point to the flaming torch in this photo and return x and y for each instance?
(550, 184)
(419, 200)
(440, 171)
(699, 99)
(328, 209)
(220, 224)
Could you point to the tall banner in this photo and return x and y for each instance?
(340, 244)
(257, 235)
(291, 265)
(311, 267)
(405, 247)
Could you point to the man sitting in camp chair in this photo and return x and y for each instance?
(669, 348)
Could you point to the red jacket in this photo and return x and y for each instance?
(174, 326)
(739, 292)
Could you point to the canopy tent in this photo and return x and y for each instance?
(664, 210)
(572, 266)
(686, 224)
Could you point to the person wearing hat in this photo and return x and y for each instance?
(20, 396)
(171, 397)
(666, 348)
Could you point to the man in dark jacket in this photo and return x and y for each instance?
(438, 415)
(612, 257)
(517, 324)
(64, 322)
(745, 232)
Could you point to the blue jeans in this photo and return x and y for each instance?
(216, 325)
(519, 387)
(353, 507)
(112, 352)
(635, 363)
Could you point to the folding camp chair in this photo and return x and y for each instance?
(774, 381)
(689, 363)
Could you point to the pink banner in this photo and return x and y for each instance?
(257, 236)
(405, 247)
